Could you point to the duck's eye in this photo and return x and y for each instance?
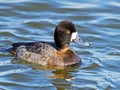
(68, 32)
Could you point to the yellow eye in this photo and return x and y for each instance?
(68, 32)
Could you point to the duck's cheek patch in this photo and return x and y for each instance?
(74, 36)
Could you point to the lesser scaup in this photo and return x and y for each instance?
(51, 54)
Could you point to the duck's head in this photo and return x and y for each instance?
(65, 33)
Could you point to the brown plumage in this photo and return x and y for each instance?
(50, 54)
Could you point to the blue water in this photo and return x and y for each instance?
(97, 21)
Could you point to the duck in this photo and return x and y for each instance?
(43, 53)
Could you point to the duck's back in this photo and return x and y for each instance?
(41, 48)
(35, 52)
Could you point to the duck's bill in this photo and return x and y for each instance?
(77, 39)
(81, 43)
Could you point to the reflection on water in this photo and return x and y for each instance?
(62, 78)
(97, 22)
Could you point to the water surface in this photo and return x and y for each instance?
(97, 21)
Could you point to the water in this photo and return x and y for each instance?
(97, 21)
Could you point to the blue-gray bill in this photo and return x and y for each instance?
(81, 42)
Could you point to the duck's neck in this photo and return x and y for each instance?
(65, 49)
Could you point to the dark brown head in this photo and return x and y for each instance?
(65, 33)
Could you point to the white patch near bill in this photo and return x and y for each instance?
(74, 36)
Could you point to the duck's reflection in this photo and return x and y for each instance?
(61, 77)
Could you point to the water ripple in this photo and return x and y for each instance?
(33, 20)
(74, 5)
